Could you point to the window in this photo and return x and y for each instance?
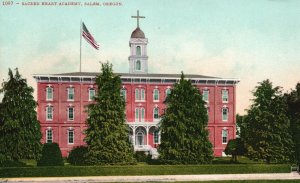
(91, 94)
(71, 113)
(71, 93)
(142, 114)
(49, 113)
(49, 93)
(155, 95)
(205, 95)
(156, 113)
(224, 114)
(137, 114)
(168, 92)
(137, 94)
(224, 136)
(138, 51)
(70, 136)
(138, 65)
(123, 93)
(49, 136)
(142, 94)
(207, 110)
(156, 137)
(225, 96)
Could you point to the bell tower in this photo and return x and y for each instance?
(138, 59)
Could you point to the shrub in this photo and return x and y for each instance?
(78, 155)
(141, 156)
(51, 155)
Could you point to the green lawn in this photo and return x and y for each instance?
(141, 170)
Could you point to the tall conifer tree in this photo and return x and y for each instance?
(20, 133)
(266, 126)
(184, 137)
(293, 102)
(107, 133)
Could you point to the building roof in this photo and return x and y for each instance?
(94, 74)
(137, 33)
(135, 78)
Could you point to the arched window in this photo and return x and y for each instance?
(205, 95)
(140, 139)
(123, 93)
(138, 65)
(138, 51)
(137, 94)
(70, 93)
(155, 95)
(49, 135)
(168, 92)
(224, 136)
(155, 113)
(91, 94)
(49, 113)
(137, 114)
(142, 114)
(224, 114)
(142, 94)
(49, 93)
(225, 96)
(70, 136)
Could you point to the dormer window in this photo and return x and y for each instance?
(138, 65)
(138, 51)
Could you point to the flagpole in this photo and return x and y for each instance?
(80, 44)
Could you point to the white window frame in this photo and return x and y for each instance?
(136, 50)
(154, 91)
(154, 137)
(91, 98)
(203, 94)
(224, 136)
(47, 135)
(142, 112)
(70, 94)
(137, 94)
(168, 89)
(49, 108)
(142, 94)
(71, 119)
(69, 131)
(137, 114)
(227, 113)
(225, 95)
(49, 89)
(155, 109)
(124, 93)
(140, 65)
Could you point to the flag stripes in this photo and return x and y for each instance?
(88, 37)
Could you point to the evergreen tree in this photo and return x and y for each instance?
(20, 133)
(266, 127)
(107, 133)
(235, 148)
(293, 102)
(184, 137)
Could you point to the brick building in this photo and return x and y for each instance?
(62, 100)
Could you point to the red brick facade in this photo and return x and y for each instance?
(60, 125)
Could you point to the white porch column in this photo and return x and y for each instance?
(147, 133)
(133, 134)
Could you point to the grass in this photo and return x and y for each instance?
(65, 171)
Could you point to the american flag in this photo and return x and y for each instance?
(88, 37)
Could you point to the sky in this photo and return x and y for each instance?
(250, 40)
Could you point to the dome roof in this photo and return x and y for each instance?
(137, 33)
